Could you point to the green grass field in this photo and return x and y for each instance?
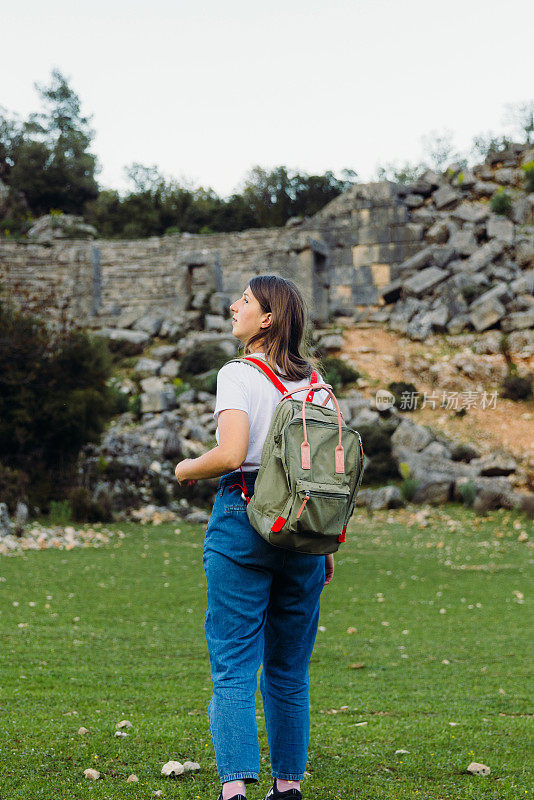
(436, 609)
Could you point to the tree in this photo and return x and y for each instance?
(49, 160)
(485, 143)
(273, 197)
(54, 397)
(440, 149)
(400, 173)
(10, 137)
(521, 117)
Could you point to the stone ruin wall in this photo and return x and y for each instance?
(340, 259)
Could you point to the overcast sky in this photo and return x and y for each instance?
(207, 90)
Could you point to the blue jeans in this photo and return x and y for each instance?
(263, 606)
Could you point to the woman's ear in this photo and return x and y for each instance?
(267, 322)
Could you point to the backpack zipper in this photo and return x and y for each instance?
(301, 509)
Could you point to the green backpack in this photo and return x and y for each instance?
(311, 468)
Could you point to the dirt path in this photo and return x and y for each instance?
(383, 356)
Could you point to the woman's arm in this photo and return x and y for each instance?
(226, 457)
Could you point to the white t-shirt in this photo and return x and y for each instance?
(243, 387)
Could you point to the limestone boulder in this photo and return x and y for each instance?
(470, 212)
(411, 436)
(377, 499)
(463, 242)
(134, 341)
(498, 227)
(421, 465)
(5, 522)
(445, 196)
(484, 255)
(423, 281)
(147, 366)
(149, 323)
(157, 395)
(61, 226)
(435, 489)
(486, 314)
(519, 321)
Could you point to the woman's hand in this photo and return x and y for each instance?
(329, 568)
(181, 472)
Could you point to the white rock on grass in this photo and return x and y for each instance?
(191, 766)
(124, 723)
(120, 734)
(478, 769)
(172, 768)
(132, 779)
(158, 793)
(82, 730)
(401, 752)
(91, 774)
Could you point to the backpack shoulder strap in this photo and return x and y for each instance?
(263, 367)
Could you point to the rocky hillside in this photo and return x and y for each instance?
(134, 464)
(476, 270)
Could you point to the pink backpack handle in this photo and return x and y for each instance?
(305, 450)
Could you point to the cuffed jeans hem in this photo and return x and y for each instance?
(288, 776)
(248, 777)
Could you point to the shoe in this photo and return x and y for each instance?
(235, 797)
(276, 794)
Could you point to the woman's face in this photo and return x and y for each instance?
(248, 318)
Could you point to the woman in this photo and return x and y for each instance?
(263, 602)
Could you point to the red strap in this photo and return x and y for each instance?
(313, 380)
(268, 371)
(278, 524)
(273, 378)
(341, 537)
(243, 486)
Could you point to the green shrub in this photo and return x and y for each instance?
(528, 169)
(54, 398)
(376, 440)
(404, 470)
(119, 399)
(514, 387)
(405, 394)
(159, 491)
(501, 203)
(85, 509)
(134, 405)
(180, 386)
(468, 492)
(206, 382)
(59, 512)
(13, 487)
(121, 350)
(408, 487)
(337, 372)
(202, 358)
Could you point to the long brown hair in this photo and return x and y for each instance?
(286, 340)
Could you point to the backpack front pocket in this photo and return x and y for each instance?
(318, 508)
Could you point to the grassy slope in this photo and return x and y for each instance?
(138, 652)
